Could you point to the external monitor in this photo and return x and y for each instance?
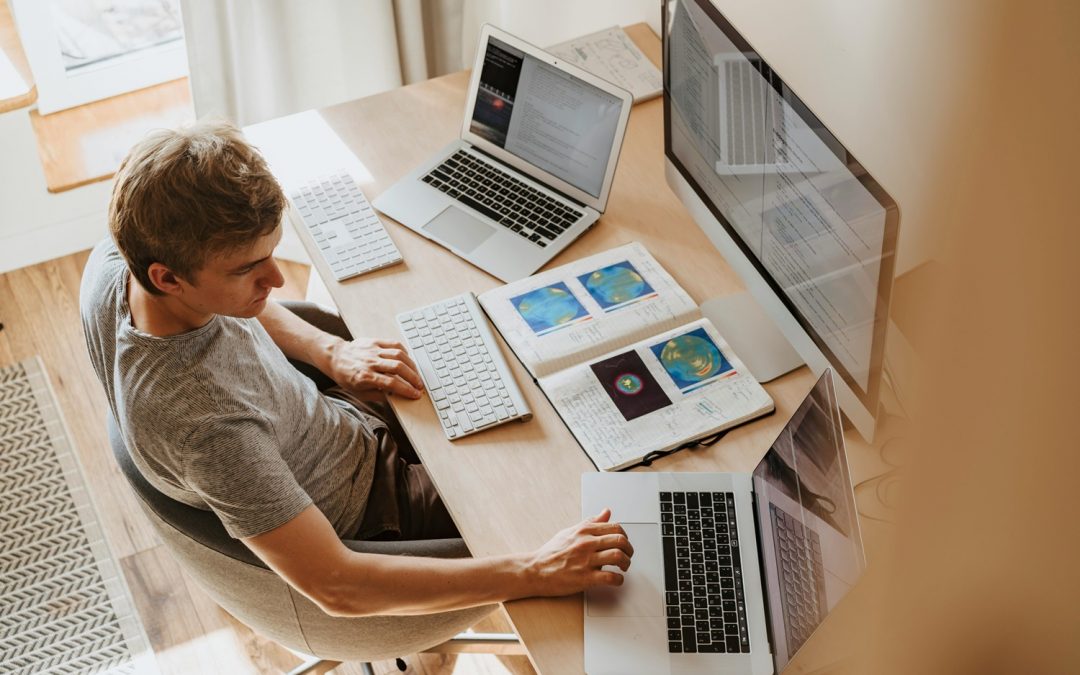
(809, 231)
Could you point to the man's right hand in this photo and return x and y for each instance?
(571, 561)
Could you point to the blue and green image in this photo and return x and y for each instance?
(691, 359)
(616, 286)
(550, 308)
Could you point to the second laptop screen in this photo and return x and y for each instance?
(545, 116)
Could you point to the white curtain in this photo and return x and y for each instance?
(253, 60)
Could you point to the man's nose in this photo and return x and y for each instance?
(274, 277)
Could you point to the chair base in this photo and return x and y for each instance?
(502, 644)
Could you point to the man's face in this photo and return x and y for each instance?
(236, 283)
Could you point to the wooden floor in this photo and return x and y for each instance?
(188, 632)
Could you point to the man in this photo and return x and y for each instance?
(193, 358)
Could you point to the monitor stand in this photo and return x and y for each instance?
(753, 335)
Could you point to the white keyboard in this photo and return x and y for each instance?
(346, 229)
(463, 369)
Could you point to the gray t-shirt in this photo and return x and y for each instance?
(218, 419)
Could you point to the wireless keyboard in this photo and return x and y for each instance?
(350, 236)
(463, 369)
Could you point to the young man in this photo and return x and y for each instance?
(194, 360)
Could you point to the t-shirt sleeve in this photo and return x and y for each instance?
(233, 463)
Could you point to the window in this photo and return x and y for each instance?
(86, 50)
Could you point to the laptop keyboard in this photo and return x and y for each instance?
(706, 609)
(802, 577)
(508, 201)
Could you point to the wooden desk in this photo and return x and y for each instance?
(512, 487)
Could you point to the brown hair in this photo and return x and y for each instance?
(183, 196)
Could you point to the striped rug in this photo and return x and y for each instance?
(64, 606)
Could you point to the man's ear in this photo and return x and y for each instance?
(166, 281)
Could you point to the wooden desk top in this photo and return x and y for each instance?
(512, 487)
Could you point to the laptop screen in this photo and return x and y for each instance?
(545, 116)
(808, 528)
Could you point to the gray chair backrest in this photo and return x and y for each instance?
(242, 584)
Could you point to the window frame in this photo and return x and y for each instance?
(59, 90)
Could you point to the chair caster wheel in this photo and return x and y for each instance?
(401, 665)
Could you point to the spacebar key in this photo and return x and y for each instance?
(426, 369)
(482, 208)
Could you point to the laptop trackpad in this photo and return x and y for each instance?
(459, 229)
(641, 593)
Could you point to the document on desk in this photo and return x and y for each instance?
(624, 356)
(612, 55)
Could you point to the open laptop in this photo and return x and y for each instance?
(731, 572)
(532, 169)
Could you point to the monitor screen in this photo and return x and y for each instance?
(545, 116)
(811, 550)
(815, 225)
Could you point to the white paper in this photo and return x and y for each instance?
(613, 56)
(613, 442)
(595, 327)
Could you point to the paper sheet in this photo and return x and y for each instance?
(580, 310)
(612, 55)
(618, 431)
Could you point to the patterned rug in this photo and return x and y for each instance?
(64, 606)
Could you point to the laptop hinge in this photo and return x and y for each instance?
(515, 170)
(760, 543)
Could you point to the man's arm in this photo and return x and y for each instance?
(307, 553)
(359, 365)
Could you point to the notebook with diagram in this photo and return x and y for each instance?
(625, 356)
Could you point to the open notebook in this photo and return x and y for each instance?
(624, 356)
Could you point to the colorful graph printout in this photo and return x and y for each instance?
(616, 286)
(630, 385)
(692, 359)
(550, 308)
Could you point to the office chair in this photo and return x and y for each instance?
(246, 588)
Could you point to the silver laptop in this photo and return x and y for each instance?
(532, 169)
(698, 597)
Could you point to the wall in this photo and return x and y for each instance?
(34, 224)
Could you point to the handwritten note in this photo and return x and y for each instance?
(611, 54)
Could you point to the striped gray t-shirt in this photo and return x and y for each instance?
(218, 419)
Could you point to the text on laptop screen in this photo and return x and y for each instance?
(545, 116)
(809, 535)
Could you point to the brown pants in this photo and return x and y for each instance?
(403, 502)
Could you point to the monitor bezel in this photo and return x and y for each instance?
(869, 397)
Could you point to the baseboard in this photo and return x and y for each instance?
(52, 241)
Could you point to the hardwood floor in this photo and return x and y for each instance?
(188, 632)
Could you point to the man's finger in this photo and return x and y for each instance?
(613, 557)
(401, 370)
(601, 517)
(388, 344)
(599, 529)
(606, 578)
(395, 385)
(618, 541)
(398, 355)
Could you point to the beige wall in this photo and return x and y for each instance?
(887, 77)
(984, 578)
